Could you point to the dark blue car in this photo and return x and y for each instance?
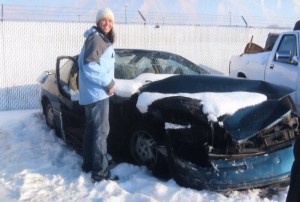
(174, 134)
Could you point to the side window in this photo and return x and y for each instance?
(287, 49)
(64, 74)
(65, 71)
(73, 81)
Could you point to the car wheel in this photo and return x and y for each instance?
(49, 114)
(142, 142)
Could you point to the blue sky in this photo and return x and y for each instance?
(255, 12)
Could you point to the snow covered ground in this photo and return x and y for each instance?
(38, 166)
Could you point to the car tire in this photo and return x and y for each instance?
(142, 140)
(49, 114)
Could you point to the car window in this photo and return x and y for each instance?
(287, 46)
(130, 64)
(174, 64)
(143, 64)
(121, 65)
(68, 77)
(64, 72)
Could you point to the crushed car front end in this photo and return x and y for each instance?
(252, 147)
(235, 174)
(223, 164)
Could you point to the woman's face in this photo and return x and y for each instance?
(105, 24)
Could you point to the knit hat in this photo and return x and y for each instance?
(105, 13)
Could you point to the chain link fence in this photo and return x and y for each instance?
(85, 12)
(28, 48)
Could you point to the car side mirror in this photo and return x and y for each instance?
(286, 56)
(283, 55)
(295, 60)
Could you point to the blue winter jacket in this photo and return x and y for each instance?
(96, 67)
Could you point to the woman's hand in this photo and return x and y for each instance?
(111, 91)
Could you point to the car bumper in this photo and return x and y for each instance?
(237, 174)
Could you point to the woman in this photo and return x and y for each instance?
(96, 85)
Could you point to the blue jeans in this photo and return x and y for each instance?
(95, 138)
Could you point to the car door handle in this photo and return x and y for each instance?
(271, 66)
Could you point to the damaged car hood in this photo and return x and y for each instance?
(265, 112)
(214, 83)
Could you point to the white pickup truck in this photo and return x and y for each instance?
(280, 65)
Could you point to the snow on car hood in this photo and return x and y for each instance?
(214, 104)
(218, 95)
(249, 106)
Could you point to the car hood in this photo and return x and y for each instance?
(215, 83)
(246, 121)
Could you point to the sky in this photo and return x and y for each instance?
(222, 12)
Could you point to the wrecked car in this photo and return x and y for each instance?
(205, 131)
(223, 133)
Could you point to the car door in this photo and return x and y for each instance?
(282, 68)
(72, 112)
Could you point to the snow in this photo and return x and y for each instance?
(125, 87)
(36, 165)
(176, 126)
(214, 104)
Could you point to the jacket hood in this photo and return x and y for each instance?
(89, 32)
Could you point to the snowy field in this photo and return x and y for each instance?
(38, 166)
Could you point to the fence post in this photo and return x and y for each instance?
(2, 12)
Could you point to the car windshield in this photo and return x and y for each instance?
(131, 63)
(175, 64)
